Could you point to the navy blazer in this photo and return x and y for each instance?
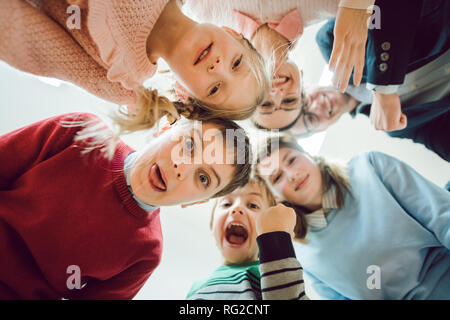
(412, 33)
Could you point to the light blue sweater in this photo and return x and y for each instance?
(390, 241)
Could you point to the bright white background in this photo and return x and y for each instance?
(189, 251)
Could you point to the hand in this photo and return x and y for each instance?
(349, 47)
(386, 112)
(277, 218)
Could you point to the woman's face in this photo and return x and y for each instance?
(293, 176)
(177, 167)
(284, 102)
(211, 64)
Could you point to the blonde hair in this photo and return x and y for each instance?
(151, 106)
(253, 180)
(333, 175)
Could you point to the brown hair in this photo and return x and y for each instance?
(333, 175)
(254, 180)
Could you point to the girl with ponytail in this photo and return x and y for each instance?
(110, 48)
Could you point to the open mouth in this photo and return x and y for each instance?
(236, 234)
(280, 79)
(155, 177)
(302, 182)
(328, 105)
(203, 54)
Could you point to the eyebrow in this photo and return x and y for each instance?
(210, 168)
(254, 194)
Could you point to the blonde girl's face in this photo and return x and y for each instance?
(294, 176)
(176, 167)
(211, 64)
(234, 221)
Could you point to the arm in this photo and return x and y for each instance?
(423, 200)
(23, 148)
(32, 42)
(281, 273)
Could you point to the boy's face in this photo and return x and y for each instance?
(177, 167)
(234, 223)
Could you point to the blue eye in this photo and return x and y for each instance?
(204, 179)
(214, 90)
(237, 63)
(189, 144)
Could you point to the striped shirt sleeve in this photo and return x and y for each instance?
(281, 273)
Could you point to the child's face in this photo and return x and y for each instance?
(294, 176)
(234, 223)
(177, 167)
(211, 64)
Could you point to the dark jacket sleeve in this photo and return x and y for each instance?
(428, 124)
(411, 34)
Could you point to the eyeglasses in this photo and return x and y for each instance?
(291, 104)
(288, 104)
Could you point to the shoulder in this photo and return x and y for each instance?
(378, 162)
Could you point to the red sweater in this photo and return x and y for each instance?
(59, 208)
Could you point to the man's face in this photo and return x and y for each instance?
(323, 107)
(177, 167)
(284, 102)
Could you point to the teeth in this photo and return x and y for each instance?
(280, 80)
(328, 104)
(235, 224)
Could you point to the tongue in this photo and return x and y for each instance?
(156, 178)
(234, 239)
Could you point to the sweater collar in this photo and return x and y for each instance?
(120, 182)
(127, 165)
(317, 218)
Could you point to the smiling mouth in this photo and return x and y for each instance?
(302, 182)
(156, 180)
(279, 80)
(203, 54)
(328, 105)
(236, 234)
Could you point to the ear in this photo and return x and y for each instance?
(233, 32)
(181, 92)
(192, 203)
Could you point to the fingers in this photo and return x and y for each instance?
(359, 66)
(336, 52)
(347, 69)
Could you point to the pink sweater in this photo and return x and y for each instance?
(107, 56)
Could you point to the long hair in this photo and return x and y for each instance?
(332, 174)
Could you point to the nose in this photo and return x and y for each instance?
(276, 95)
(293, 176)
(237, 211)
(182, 170)
(215, 65)
(318, 107)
